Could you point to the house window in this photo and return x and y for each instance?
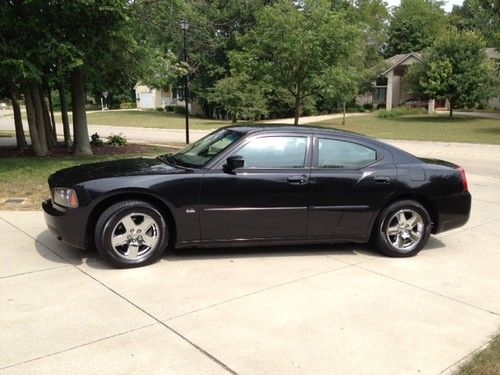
(381, 81)
(379, 95)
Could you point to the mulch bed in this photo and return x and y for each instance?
(104, 150)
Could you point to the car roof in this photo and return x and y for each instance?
(300, 129)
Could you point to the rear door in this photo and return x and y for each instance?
(349, 178)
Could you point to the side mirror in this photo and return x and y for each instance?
(234, 162)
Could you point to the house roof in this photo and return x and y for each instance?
(492, 53)
(398, 59)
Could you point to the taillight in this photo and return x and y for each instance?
(461, 171)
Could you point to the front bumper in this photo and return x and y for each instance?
(453, 211)
(68, 224)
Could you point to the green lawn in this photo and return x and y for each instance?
(423, 128)
(485, 362)
(5, 134)
(26, 176)
(149, 119)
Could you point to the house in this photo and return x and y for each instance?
(390, 91)
(389, 88)
(151, 98)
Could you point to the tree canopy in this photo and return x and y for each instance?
(414, 26)
(455, 68)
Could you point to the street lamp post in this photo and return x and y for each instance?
(185, 28)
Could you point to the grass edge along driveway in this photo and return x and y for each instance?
(434, 127)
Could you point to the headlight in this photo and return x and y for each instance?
(65, 197)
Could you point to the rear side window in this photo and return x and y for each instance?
(274, 152)
(342, 154)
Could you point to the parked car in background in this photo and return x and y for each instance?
(258, 185)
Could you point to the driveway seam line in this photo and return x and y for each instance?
(430, 291)
(200, 349)
(76, 347)
(257, 292)
(34, 271)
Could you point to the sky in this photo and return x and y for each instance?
(448, 3)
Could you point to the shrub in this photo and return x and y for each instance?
(169, 108)
(400, 111)
(159, 109)
(384, 113)
(355, 108)
(127, 105)
(96, 140)
(368, 106)
(181, 110)
(116, 140)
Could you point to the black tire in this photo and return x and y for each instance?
(110, 222)
(387, 243)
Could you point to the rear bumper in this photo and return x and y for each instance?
(68, 224)
(453, 211)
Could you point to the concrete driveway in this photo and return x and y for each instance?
(312, 309)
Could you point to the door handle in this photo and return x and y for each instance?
(300, 179)
(382, 180)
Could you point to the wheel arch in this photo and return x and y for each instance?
(422, 199)
(120, 196)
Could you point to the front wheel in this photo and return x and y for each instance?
(403, 229)
(131, 234)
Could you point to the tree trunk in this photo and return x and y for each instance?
(18, 121)
(298, 111)
(64, 114)
(49, 132)
(81, 144)
(343, 113)
(451, 108)
(40, 123)
(30, 112)
(51, 110)
(234, 118)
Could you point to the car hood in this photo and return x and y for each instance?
(117, 168)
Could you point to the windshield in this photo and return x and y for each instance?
(205, 149)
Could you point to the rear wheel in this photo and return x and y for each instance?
(131, 234)
(403, 229)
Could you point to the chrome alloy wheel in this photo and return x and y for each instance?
(135, 236)
(404, 230)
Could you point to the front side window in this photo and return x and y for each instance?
(342, 154)
(274, 152)
(202, 151)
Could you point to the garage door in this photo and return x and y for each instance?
(146, 100)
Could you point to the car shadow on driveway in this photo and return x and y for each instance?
(346, 251)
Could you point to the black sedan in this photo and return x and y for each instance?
(258, 185)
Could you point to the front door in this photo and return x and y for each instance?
(266, 198)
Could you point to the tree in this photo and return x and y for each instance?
(414, 26)
(213, 33)
(8, 74)
(296, 47)
(240, 97)
(347, 81)
(455, 68)
(373, 17)
(482, 16)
